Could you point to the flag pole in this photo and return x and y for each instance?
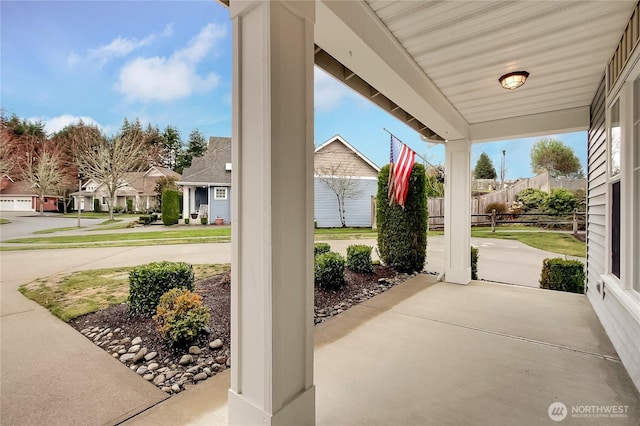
(419, 155)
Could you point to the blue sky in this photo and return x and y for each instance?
(169, 63)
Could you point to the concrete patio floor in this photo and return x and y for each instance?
(444, 354)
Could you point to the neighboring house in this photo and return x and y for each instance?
(207, 183)
(20, 196)
(337, 160)
(138, 187)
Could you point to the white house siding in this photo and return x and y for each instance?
(219, 208)
(615, 308)
(358, 210)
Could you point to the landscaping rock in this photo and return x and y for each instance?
(228, 362)
(170, 374)
(159, 380)
(176, 388)
(221, 359)
(139, 355)
(186, 360)
(150, 356)
(141, 370)
(134, 349)
(126, 357)
(194, 350)
(216, 344)
(148, 376)
(153, 366)
(136, 341)
(200, 376)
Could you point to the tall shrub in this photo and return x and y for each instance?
(402, 232)
(170, 207)
(147, 283)
(560, 200)
(96, 204)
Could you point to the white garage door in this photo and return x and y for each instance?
(15, 204)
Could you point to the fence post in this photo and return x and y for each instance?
(575, 222)
(493, 220)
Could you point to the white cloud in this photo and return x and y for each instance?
(55, 124)
(328, 92)
(165, 79)
(118, 47)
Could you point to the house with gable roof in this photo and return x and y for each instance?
(336, 159)
(206, 184)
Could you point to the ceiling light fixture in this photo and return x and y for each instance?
(513, 80)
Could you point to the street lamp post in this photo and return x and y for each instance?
(80, 176)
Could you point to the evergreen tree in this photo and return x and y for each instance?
(484, 168)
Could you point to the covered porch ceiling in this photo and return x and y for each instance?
(435, 64)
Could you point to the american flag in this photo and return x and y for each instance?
(402, 159)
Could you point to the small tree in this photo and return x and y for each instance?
(44, 173)
(402, 232)
(339, 179)
(484, 168)
(555, 157)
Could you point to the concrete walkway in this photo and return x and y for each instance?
(422, 352)
(444, 354)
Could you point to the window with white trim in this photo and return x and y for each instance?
(220, 193)
(635, 180)
(615, 141)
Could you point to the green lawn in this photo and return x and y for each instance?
(2, 220)
(554, 242)
(69, 296)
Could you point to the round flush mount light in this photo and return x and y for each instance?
(513, 80)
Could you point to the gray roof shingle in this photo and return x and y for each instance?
(211, 167)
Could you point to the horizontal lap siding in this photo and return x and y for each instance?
(596, 217)
(220, 208)
(358, 210)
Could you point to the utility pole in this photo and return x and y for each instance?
(502, 168)
(80, 175)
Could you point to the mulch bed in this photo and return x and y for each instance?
(115, 327)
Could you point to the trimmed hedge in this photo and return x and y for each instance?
(329, 270)
(474, 263)
(145, 219)
(180, 315)
(359, 258)
(170, 207)
(96, 205)
(563, 275)
(147, 283)
(402, 233)
(319, 248)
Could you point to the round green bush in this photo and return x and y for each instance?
(359, 258)
(532, 198)
(402, 232)
(319, 248)
(147, 283)
(180, 315)
(560, 201)
(329, 270)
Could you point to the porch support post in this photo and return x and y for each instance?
(457, 211)
(185, 202)
(272, 243)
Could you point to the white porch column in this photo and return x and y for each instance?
(457, 212)
(272, 243)
(185, 202)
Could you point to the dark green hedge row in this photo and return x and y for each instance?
(402, 233)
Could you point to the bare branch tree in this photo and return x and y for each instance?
(108, 160)
(44, 173)
(341, 180)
